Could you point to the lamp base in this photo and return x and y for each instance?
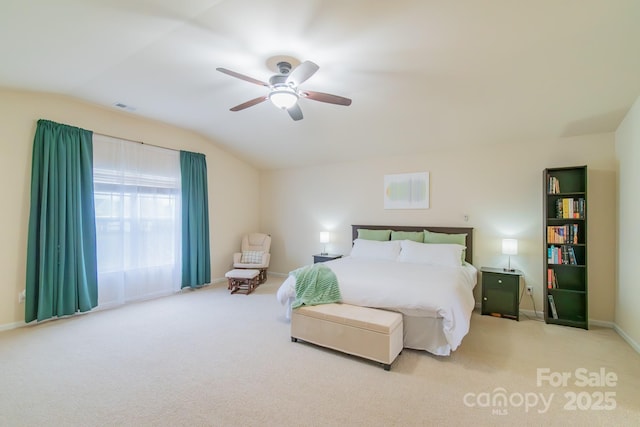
(510, 270)
(324, 253)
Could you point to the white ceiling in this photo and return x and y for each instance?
(423, 74)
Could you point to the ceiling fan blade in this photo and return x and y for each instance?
(250, 103)
(302, 72)
(295, 112)
(326, 97)
(242, 77)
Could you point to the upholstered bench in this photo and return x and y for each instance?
(243, 281)
(361, 331)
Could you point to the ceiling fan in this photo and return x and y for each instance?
(283, 88)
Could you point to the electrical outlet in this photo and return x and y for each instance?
(529, 290)
(22, 296)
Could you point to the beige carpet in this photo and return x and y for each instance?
(207, 358)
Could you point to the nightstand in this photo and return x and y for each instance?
(500, 291)
(325, 257)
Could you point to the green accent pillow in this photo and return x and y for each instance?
(416, 236)
(460, 239)
(380, 235)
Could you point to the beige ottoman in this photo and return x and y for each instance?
(365, 332)
(243, 281)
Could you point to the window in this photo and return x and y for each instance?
(137, 200)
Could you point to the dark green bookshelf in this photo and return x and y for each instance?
(565, 237)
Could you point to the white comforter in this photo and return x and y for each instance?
(417, 290)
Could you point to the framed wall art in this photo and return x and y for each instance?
(406, 191)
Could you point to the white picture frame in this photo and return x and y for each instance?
(406, 191)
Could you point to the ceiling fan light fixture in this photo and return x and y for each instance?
(284, 89)
(283, 98)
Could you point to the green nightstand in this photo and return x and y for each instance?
(500, 291)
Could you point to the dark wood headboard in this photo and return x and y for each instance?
(449, 230)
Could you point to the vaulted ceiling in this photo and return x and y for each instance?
(422, 74)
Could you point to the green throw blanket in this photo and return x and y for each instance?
(315, 284)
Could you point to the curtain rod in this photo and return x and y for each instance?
(131, 140)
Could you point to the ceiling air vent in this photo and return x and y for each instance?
(124, 106)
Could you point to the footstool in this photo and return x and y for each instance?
(243, 281)
(361, 331)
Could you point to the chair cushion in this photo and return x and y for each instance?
(251, 257)
(241, 274)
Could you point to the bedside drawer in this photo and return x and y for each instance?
(496, 279)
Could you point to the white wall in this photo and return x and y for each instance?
(499, 187)
(628, 289)
(230, 216)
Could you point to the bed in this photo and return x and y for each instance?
(431, 285)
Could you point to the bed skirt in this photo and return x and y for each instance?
(425, 333)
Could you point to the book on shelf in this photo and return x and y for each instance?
(552, 279)
(552, 304)
(553, 185)
(567, 234)
(572, 255)
(563, 254)
(570, 208)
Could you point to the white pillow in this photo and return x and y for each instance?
(374, 249)
(445, 254)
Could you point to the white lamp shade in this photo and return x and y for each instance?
(324, 237)
(509, 246)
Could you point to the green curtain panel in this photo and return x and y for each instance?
(196, 263)
(62, 273)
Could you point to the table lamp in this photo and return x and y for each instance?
(324, 239)
(509, 247)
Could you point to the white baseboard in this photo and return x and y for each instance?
(14, 325)
(602, 323)
(535, 314)
(627, 338)
(278, 274)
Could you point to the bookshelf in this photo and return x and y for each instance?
(565, 235)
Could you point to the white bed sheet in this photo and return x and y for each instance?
(415, 290)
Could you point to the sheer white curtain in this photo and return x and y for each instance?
(137, 198)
